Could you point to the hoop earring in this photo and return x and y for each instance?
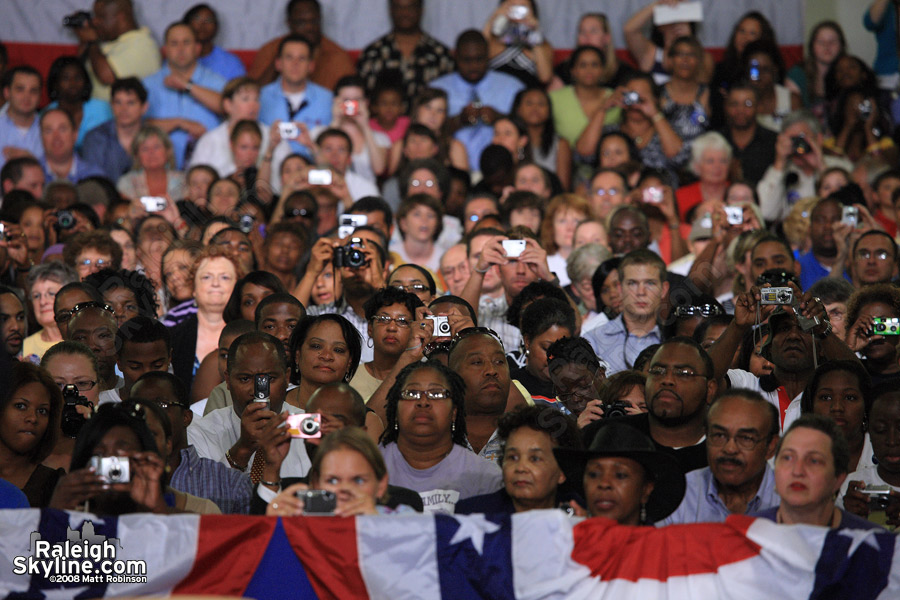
(370, 343)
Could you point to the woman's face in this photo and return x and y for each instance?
(534, 108)
(506, 135)
(77, 370)
(611, 293)
(587, 70)
(43, 293)
(591, 32)
(616, 487)
(118, 441)
(827, 45)
(390, 338)
(634, 400)
(324, 287)
(685, 62)
(24, 420)
(531, 474)
(418, 147)
(839, 396)
(198, 184)
(425, 418)
(129, 253)
(423, 181)
(537, 350)
(766, 70)
(251, 295)
(224, 197)
(419, 224)
(155, 236)
(245, 150)
(177, 271)
(283, 252)
(409, 277)
(530, 178)
(213, 283)
(848, 72)
(589, 232)
(613, 152)
(564, 223)
(712, 168)
(293, 171)
(748, 30)
(152, 154)
(883, 430)
(123, 302)
(71, 84)
(432, 114)
(805, 477)
(739, 194)
(324, 357)
(32, 223)
(350, 476)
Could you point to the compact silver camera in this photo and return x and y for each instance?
(288, 131)
(153, 203)
(776, 295)
(631, 98)
(441, 326)
(850, 216)
(111, 469)
(513, 248)
(879, 496)
(734, 215)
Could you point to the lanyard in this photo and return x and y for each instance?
(293, 113)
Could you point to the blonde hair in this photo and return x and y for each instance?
(559, 203)
(145, 133)
(610, 60)
(796, 224)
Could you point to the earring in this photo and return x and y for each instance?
(527, 352)
(396, 426)
(453, 427)
(370, 343)
(643, 513)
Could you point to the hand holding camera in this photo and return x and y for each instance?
(254, 421)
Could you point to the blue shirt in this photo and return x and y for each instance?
(315, 110)
(93, 113)
(11, 496)
(224, 63)
(80, 169)
(102, 147)
(11, 136)
(497, 90)
(166, 103)
(886, 59)
(811, 270)
(228, 488)
(613, 344)
(702, 504)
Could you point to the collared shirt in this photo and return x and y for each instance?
(214, 149)
(346, 311)
(811, 270)
(492, 450)
(102, 147)
(80, 169)
(492, 314)
(205, 478)
(430, 59)
(315, 110)
(617, 347)
(217, 432)
(166, 103)
(10, 135)
(497, 90)
(224, 63)
(132, 54)
(702, 504)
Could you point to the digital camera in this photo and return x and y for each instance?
(65, 219)
(153, 203)
(76, 20)
(754, 70)
(72, 420)
(305, 426)
(631, 98)
(614, 409)
(318, 502)
(799, 145)
(777, 295)
(349, 223)
(850, 216)
(441, 326)
(319, 177)
(4, 235)
(885, 326)
(245, 223)
(112, 469)
(350, 255)
(652, 195)
(734, 215)
(288, 131)
(514, 248)
(865, 109)
(879, 496)
(351, 108)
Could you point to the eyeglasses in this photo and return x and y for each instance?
(744, 441)
(385, 320)
(415, 288)
(699, 310)
(90, 304)
(464, 333)
(300, 212)
(432, 395)
(678, 372)
(165, 405)
(867, 254)
(83, 385)
(429, 183)
(432, 348)
(606, 192)
(100, 262)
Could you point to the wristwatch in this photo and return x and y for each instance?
(188, 86)
(826, 332)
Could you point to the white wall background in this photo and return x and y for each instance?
(849, 13)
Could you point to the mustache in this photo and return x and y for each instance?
(724, 460)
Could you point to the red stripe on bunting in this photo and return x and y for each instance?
(327, 548)
(229, 549)
(610, 550)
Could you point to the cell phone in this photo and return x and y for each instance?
(513, 248)
(261, 389)
(754, 70)
(153, 203)
(349, 223)
(734, 215)
(288, 131)
(319, 177)
(850, 216)
(441, 325)
(776, 295)
(305, 426)
(351, 108)
(652, 195)
(318, 502)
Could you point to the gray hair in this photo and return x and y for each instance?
(710, 140)
(802, 116)
(54, 271)
(584, 260)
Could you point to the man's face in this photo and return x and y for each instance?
(96, 328)
(336, 408)
(824, 218)
(607, 192)
(455, 268)
(873, 260)
(770, 255)
(306, 20)
(13, 326)
(160, 392)
(472, 61)
(740, 109)
(791, 348)
(491, 281)
(238, 247)
(515, 275)
(58, 136)
(885, 423)
(23, 94)
(336, 153)
(377, 220)
(181, 48)
(406, 14)
(674, 399)
(32, 180)
(106, 20)
(283, 252)
(481, 362)
(739, 423)
(576, 384)
(257, 358)
(294, 63)
(627, 233)
(279, 319)
(476, 209)
(642, 290)
(135, 359)
(127, 108)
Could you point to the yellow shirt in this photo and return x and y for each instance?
(33, 347)
(132, 54)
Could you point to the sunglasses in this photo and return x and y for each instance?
(699, 310)
(64, 316)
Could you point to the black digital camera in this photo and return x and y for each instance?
(350, 255)
(77, 19)
(614, 409)
(65, 219)
(800, 146)
(72, 420)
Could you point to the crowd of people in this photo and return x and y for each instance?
(655, 288)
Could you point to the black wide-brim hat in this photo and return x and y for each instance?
(617, 439)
